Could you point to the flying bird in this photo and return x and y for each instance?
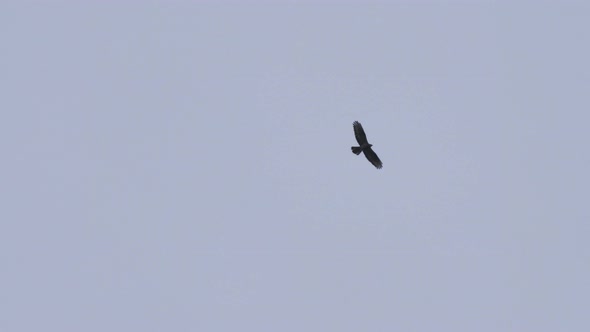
(364, 146)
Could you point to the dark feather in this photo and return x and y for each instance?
(359, 133)
(372, 157)
(356, 150)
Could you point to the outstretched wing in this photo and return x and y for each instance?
(372, 157)
(359, 133)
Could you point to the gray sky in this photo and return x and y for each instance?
(187, 167)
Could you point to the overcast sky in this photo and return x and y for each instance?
(187, 166)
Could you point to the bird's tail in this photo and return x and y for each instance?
(356, 150)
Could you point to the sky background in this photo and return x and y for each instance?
(186, 166)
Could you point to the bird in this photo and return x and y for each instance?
(364, 146)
